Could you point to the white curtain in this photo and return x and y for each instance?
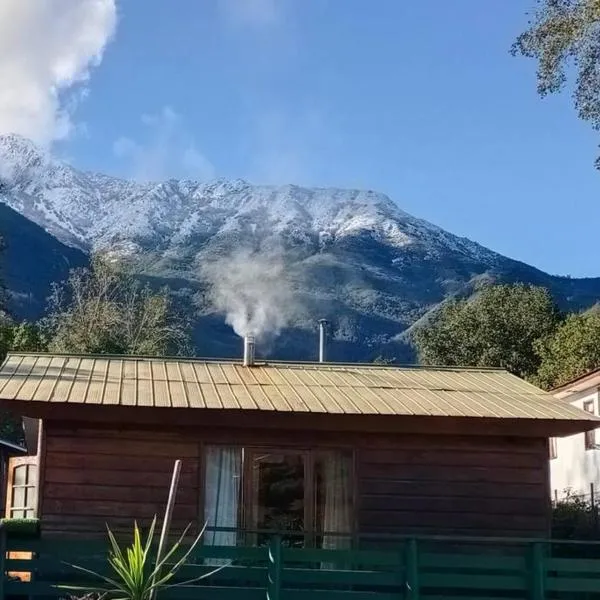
(222, 494)
(337, 513)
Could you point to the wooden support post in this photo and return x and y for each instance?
(537, 572)
(3, 548)
(274, 569)
(412, 570)
(167, 519)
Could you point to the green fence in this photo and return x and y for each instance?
(426, 568)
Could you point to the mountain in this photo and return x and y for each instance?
(33, 260)
(353, 257)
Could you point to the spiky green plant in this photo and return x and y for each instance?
(134, 575)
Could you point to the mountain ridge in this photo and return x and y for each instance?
(351, 256)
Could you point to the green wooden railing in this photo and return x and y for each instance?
(423, 568)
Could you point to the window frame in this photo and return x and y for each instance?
(30, 487)
(247, 485)
(589, 406)
(553, 448)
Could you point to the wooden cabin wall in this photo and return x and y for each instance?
(95, 477)
(450, 485)
(429, 484)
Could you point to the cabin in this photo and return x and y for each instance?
(575, 459)
(330, 455)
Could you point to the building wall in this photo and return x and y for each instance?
(575, 467)
(428, 484)
(456, 486)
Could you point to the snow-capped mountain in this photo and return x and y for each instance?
(358, 259)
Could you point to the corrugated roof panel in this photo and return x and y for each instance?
(242, 397)
(342, 403)
(216, 373)
(32, 383)
(159, 385)
(211, 397)
(202, 374)
(278, 402)
(129, 385)
(112, 387)
(80, 381)
(48, 382)
(10, 367)
(145, 389)
(319, 388)
(226, 395)
(173, 371)
(292, 398)
(177, 388)
(193, 394)
(95, 392)
(18, 377)
(64, 382)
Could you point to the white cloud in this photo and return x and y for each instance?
(46, 48)
(254, 13)
(167, 151)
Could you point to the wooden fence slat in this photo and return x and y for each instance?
(413, 570)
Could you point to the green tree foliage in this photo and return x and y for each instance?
(20, 337)
(499, 327)
(573, 350)
(105, 310)
(561, 34)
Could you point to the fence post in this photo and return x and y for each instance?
(3, 550)
(412, 570)
(537, 572)
(274, 569)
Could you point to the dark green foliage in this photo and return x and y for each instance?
(19, 528)
(499, 327)
(20, 337)
(573, 350)
(564, 34)
(105, 310)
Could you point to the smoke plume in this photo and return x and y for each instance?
(255, 291)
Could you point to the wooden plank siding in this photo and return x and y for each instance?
(455, 485)
(98, 477)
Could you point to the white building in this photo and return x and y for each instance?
(575, 460)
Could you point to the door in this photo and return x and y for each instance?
(280, 495)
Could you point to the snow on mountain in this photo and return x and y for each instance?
(358, 259)
(92, 210)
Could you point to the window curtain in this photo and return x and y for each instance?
(222, 495)
(337, 511)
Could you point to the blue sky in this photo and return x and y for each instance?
(419, 100)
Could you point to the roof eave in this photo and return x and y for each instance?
(246, 418)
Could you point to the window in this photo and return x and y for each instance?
(553, 450)
(306, 496)
(590, 436)
(23, 494)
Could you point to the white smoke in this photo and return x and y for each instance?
(46, 48)
(255, 291)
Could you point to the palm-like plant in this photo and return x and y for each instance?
(134, 576)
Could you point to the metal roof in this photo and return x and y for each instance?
(286, 387)
(11, 447)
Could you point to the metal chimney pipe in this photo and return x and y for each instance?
(249, 346)
(322, 339)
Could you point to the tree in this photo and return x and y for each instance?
(560, 34)
(573, 350)
(499, 327)
(103, 309)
